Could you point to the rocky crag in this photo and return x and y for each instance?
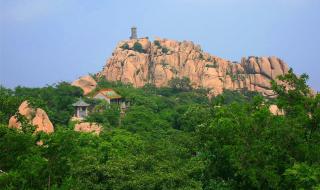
(37, 117)
(87, 83)
(141, 61)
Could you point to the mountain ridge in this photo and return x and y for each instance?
(141, 61)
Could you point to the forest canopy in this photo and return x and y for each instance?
(169, 138)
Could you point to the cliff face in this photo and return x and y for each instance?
(159, 61)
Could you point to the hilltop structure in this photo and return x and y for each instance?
(133, 33)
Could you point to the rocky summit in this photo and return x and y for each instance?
(141, 61)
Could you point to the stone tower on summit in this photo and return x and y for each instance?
(133, 33)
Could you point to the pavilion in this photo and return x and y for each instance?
(81, 108)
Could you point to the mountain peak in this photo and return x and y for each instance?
(141, 61)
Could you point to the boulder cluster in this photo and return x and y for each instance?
(86, 83)
(88, 127)
(160, 61)
(36, 117)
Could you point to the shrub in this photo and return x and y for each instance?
(180, 84)
(125, 46)
(164, 64)
(157, 43)
(165, 50)
(138, 47)
(211, 66)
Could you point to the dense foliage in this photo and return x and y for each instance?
(138, 47)
(169, 138)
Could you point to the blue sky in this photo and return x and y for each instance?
(47, 41)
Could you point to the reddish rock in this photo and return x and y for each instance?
(168, 59)
(86, 83)
(42, 121)
(88, 127)
(275, 110)
(25, 110)
(13, 123)
(36, 117)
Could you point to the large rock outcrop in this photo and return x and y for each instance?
(161, 60)
(36, 117)
(86, 83)
(88, 127)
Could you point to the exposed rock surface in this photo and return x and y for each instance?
(36, 117)
(87, 83)
(42, 121)
(275, 110)
(88, 127)
(165, 59)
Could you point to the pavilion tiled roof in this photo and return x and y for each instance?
(109, 93)
(81, 103)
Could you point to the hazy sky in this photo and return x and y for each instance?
(47, 41)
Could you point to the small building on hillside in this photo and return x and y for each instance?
(81, 108)
(108, 95)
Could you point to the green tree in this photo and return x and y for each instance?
(298, 102)
(138, 47)
(194, 116)
(303, 176)
(103, 113)
(182, 84)
(9, 104)
(125, 46)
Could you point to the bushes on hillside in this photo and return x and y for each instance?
(169, 138)
(136, 47)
